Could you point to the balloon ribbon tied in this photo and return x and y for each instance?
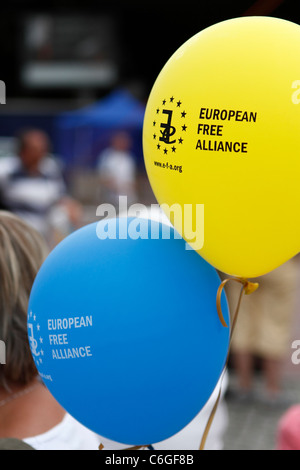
(247, 288)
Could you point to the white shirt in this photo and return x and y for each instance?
(69, 434)
(118, 166)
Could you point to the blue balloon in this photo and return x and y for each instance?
(124, 329)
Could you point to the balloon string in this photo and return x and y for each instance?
(247, 288)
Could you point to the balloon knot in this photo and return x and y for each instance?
(250, 287)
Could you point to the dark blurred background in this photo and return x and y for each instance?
(132, 39)
(99, 59)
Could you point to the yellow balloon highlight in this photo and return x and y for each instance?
(222, 130)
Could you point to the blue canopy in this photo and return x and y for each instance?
(82, 134)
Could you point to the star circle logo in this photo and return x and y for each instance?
(169, 126)
(35, 338)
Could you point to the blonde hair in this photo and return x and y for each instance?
(22, 251)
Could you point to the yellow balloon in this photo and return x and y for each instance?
(222, 136)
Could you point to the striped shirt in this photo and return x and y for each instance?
(31, 197)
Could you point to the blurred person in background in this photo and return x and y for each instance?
(117, 170)
(32, 186)
(263, 331)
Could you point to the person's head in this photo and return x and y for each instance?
(33, 145)
(121, 141)
(22, 251)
